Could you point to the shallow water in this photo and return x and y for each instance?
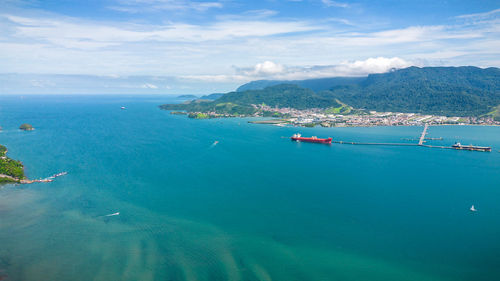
(255, 206)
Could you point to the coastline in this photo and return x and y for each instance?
(322, 117)
(285, 123)
(12, 171)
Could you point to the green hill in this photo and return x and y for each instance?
(10, 170)
(240, 103)
(284, 95)
(450, 91)
(457, 91)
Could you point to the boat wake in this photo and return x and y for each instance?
(214, 144)
(58, 175)
(109, 215)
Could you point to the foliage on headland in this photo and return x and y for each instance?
(10, 170)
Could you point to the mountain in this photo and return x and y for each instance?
(455, 91)
(211, 96)
(186, 97)
(316, 85)
(283, 95)
(450, 91)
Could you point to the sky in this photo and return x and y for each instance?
(202, 47)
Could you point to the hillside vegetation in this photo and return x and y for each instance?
(10, 170)
(450, 91)
(275, 96)
(455, 91)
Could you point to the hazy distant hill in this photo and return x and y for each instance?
(187, 97)
(211, 96)
(313, 84)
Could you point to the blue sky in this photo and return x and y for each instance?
(184, 46)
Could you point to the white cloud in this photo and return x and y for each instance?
(72, 33)
(37, 83)
(345, 68)
(138, 6)
(480, 15)
(271, 70)
(331, 3)
(373, 65)
(149, 86)
(314, 48)
(264, 68)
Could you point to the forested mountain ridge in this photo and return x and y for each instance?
(457, 91)
(450, 91)
(284, 95)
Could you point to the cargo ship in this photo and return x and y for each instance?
(470, 147)
(314, 139)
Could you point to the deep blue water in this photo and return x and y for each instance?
(253, 207)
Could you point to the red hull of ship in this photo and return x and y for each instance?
(314, 140)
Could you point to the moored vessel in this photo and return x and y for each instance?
(470, 147)
(314, 139)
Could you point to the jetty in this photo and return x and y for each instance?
(422, 137)
(421, 142)
(375, 143)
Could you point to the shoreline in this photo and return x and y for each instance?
(8, 165)
(286, 124)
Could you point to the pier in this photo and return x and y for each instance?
(421, 141)
(422, 137)
(375, 143)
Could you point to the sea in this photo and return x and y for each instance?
(153, 196)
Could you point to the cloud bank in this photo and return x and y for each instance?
(236, 47)
(275, 71)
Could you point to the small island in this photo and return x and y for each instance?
(11, 171)
(26, 127)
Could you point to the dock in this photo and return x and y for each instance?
(422, 137)
(421, 142)
(375, 143)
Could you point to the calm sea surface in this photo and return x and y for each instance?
(255, 206)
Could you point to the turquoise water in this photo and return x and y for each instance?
(253, 207)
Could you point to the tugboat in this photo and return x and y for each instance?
(314, 139)
(470, 147)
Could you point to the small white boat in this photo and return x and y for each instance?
(472, 209)
(123, 107)
(113, 214)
